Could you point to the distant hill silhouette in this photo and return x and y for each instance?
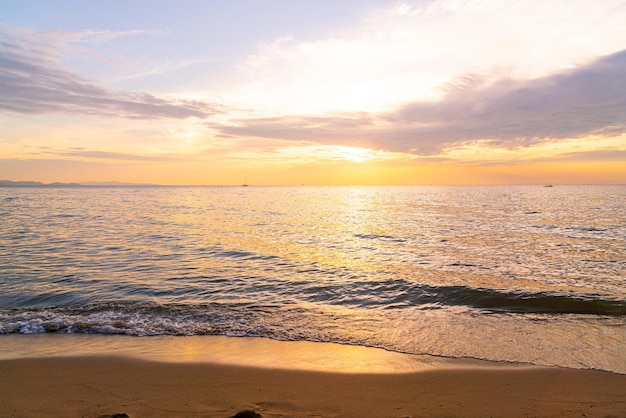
(9, 183)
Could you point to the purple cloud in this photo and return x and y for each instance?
(575, 103)
(33, 81)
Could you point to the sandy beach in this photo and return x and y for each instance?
(102, 385)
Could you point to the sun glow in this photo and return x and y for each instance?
(328, 153)
(418, 92)
(354, 154)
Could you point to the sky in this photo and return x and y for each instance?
(313, 92)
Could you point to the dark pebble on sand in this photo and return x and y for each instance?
(246, 414)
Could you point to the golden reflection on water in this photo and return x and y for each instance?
(297, 254)
(445, 237)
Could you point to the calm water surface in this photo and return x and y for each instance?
(522, 274)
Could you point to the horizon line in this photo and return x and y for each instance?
(35, 183)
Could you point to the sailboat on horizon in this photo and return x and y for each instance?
(245, 182)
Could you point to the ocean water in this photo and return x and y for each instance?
(516, 274)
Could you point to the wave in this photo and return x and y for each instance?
(521, 302)
(258, 319)
(400, 294)
(137, 319)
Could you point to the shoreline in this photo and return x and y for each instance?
(218, 377)
(235, 351)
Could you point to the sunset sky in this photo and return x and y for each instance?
(313, 92)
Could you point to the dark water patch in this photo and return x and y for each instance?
(234, 254)
(159, 237)
(521, 302)
(587, 229)
(267, 258)
(64, 215)
(379, 237)
(395, 294)
(247, 255)
(462, 265)
(50, 298)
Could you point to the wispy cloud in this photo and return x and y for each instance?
(590, 100)
(317, 129)
(608, 155)
(32, 80)
(106, 155)
(102, 36)
(97, 155)
(163, 69)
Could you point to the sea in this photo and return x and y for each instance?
(516, 274)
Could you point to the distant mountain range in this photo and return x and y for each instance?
(9, 183)
(116, 183)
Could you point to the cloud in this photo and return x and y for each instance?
(590, 100)
(585, 101)
(316, 129)
(102, 36)
(106, 155)
(163, 69)
(33, 81)
(118, 156)
(407, 53)
(608, 155)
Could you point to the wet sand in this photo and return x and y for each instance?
(95, 385)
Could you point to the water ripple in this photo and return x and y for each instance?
(459, 271)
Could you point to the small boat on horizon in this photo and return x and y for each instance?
(548, 185)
